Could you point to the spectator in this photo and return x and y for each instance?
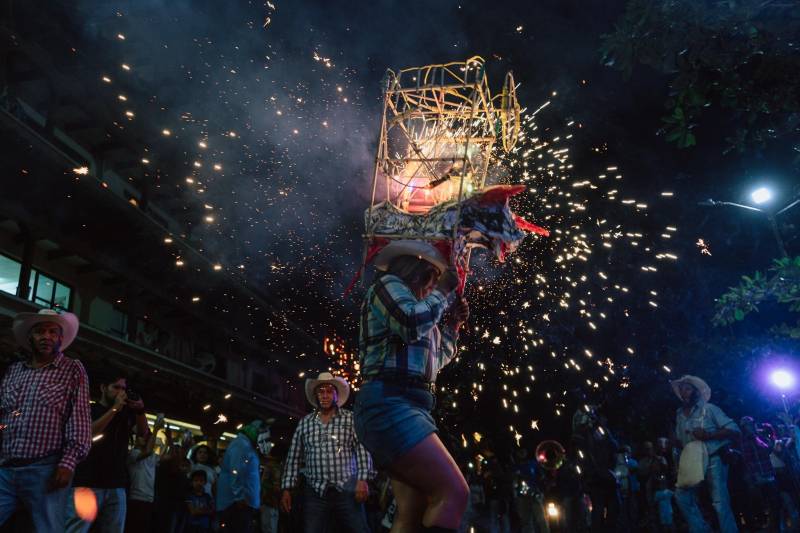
(337, 465)
(202, 458)
(699, 420)
(172, 487)
(239, 485)
(270, 494)
(652, 466)
(759, 476)
(499, 488)
(665, 448)
(626, 473)
(142, 471)
(786, 462)
(566, 484)
(528, 496)
(374, 506)
(199, 505)
(663, 499)
(105, 470)
(44, 437)
(475, 505)
(599, 448)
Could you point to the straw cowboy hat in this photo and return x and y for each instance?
(701, 386)
(421, 249)
(23, 323)
(342, 388)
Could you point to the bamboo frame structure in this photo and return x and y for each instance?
(438, 131)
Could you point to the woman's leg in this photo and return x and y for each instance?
(429, 469)
(411, 505)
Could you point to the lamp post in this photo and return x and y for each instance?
(784, 381)
(760, 196)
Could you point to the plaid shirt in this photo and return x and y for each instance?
(330, 453)
(45, 411)
(399, 335)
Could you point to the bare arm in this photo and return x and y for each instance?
(151, 443)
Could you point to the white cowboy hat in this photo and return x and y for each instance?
(421, 249)
(702, 387)
(23, 323)
(342, 388)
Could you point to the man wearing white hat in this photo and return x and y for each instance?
(336, 465)
(699, 420)
(45, 421)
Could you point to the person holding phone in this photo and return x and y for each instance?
(142, 461)
(105, 470)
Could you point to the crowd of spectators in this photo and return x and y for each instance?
(603, 484)
(82, 466)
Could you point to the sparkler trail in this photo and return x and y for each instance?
(272, 167)
(560, 316)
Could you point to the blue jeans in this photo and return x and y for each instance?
(111, 507)
(335, 507)
(499, 516)
(717, 480)
(28, 484)
(269, 519)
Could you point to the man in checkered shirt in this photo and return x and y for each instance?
(335, 465)
(45, 421)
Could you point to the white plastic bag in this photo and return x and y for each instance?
(692, 464)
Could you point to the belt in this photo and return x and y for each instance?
(406, 382)
(25, 461)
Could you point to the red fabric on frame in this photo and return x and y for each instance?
(524, 225)
(499, 193)
(445, 248)
(375, 246)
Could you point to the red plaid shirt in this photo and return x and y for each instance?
(45, 411)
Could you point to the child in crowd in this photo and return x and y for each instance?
(202, 458)
(199, 504)
(663, 499)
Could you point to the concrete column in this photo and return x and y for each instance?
(28, 249)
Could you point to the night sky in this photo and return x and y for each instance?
(265, 118)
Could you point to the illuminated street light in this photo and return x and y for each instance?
(783, 379)
(761, 195)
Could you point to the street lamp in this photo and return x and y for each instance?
(783, 381)
(759, 196)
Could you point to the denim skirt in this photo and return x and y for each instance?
(390, 419)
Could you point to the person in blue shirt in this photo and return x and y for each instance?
(239, 482)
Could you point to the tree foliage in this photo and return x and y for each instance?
(741, 56)
(780, 284)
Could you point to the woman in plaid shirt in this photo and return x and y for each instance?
(404, 342)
